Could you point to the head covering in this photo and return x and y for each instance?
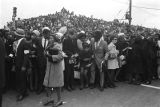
(20, 32)
(45, 28)
(36, 32)
(59, 35)
(82, 31)
(121, 34)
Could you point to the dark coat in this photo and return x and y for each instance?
(121, 45)
(42, 61)
(2, 63)
(70, 46)
(20, 54)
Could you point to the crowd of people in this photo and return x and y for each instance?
(65, 51)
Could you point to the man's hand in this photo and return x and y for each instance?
(46, 53)
(23, 69)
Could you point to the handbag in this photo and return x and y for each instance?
(112, 56)
(50, 59)
(52, 52)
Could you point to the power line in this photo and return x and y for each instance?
(136, 6)
(146, 7)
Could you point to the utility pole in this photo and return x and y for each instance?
(130, 12)
(14, 17)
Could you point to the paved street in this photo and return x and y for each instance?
(124, 95)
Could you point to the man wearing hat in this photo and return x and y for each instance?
(41, 47)
(21, 76)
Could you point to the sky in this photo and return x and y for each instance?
(102, 9)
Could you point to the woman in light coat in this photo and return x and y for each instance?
(55, 66)
(112, 61)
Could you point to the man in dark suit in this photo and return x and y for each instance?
(21, 76)
(69, 47)
(42, 43)
(2, 66)
(9, 62)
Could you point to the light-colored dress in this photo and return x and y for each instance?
(113, 63)
(54, 76)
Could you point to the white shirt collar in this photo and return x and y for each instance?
(43, 41)
(19, 41)
(97, 43)
(16, 44)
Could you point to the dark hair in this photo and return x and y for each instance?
(29, 33)
(113, 37)
(81, 35)
(97, 35)
(71, 32)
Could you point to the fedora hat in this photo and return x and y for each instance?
(20, 32)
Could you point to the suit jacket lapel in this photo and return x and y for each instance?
(19, 44)
(40, 42)
(99, 44)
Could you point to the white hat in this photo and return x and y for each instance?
(121, 34)
(45, 28)
(36, 32)
(20, 32)
(59, 35)
(82, 31)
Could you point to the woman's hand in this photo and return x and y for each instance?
(117, 51)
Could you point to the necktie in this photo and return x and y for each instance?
(96, 44)
(15, 45)
(44, 44)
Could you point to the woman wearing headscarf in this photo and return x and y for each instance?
(55, 66)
